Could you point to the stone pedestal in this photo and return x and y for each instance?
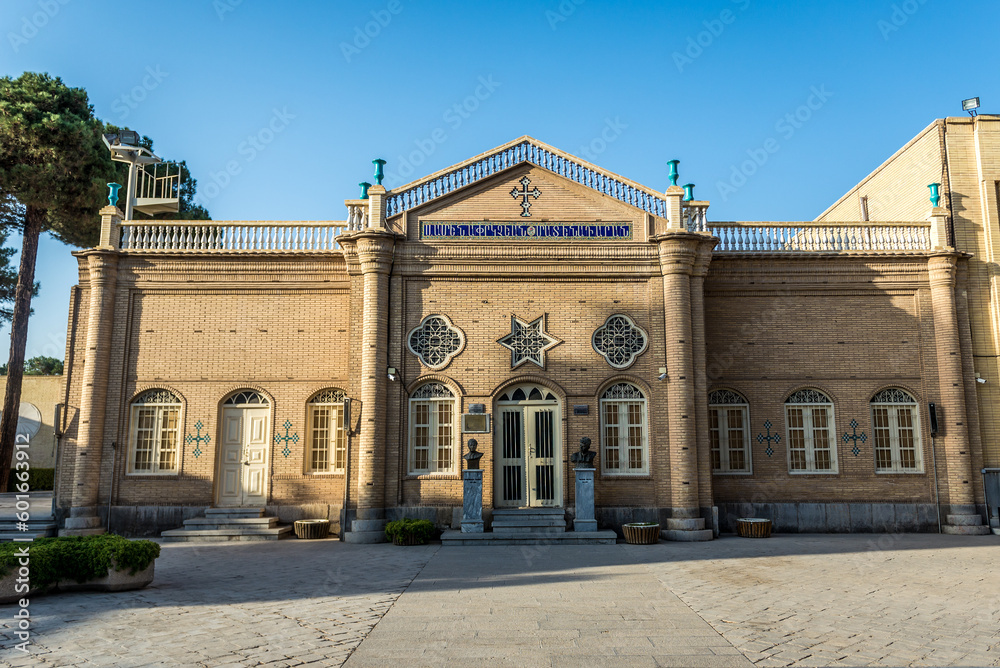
(584, 520)
(472, 501)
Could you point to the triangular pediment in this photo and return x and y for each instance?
(516, 156)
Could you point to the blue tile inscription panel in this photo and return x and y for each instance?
(436, 231)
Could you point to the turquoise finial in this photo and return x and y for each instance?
(935, 193)
(379, 174)
(688, 191)
(113, 195)
(674, 174)
(364, 189)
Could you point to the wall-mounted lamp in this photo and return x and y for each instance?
(391, 371)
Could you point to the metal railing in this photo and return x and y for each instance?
(525, 151)
(158, 181)
(228, 235)
(812, 237)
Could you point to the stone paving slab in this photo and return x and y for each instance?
(843, 600)
(554, 605)
(284, 603)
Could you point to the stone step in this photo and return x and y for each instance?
(205, 523)
(964, 520)
(965, 530)
(365, 537)
(686, 535)
(9, 531)
(457, 538)
(529, 512)
(522, 522)
(234, 512)
(686, 524)
(227, 534)
(525, 530)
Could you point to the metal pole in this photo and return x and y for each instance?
(937, 493)
(114, 465)
(347, 466)
(130, 195)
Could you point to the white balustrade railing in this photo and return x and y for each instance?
(695, 216)
(647, 200)
(818, 237)
(229, 235)
(357, 215)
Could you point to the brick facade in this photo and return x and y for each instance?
(205, 323)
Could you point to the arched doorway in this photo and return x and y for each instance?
(528, 448)
(243, 450)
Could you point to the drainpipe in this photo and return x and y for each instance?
(111, 492)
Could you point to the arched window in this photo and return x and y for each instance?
(326, 448)
(896, 432)
(246, 398)
(432, 429)
(728, 420)
(154, 433)
(811, 440)
(624, 448)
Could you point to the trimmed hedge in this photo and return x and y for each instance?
(409, 532)
(79, 558)
(39, 480)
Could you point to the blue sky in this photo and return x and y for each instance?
(302, 96)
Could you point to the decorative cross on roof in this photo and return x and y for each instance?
(528, 341)
(525, 193)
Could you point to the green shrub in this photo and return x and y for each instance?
(79, 558)
(39, 480)
(409, 532)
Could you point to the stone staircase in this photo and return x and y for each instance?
(686, 529)
(41, 522)
(222, 524)
(529, 526)
(965, 525)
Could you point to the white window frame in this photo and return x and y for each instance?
(336, 439)
(160, 409)
(743, 406)
(809, 431)
(893, 408)
(434, 427)
(623, 425)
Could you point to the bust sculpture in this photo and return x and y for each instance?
(473, 455)
(584, 459)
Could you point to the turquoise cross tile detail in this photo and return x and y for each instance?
(294, 438)
(770, 438)
(855, 436)
(198, 440)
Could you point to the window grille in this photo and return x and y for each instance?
(623, 431)
(811, 440)
(432, 429)
(896, 432)
(728, 417)
(248, 397)
(154, 433)
(326, 445)
(435, 341)
(619, 340)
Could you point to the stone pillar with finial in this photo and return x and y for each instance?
(584, 471)
(674, 196)
(938, 218)
(472, 491)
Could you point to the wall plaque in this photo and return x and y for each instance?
(450, 231)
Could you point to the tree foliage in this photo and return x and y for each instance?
(43, 366)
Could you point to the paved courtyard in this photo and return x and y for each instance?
(790, 600)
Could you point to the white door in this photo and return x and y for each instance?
(243, 457)
(528, 458)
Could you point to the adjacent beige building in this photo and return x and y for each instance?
(37, 417)
(721, 369)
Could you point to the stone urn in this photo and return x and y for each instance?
(753, 527)
(310, 529)
(641, 533)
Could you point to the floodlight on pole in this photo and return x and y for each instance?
(970, 105)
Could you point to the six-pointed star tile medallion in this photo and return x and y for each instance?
(528, 341)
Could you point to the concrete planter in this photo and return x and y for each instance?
(113, 581)
(641, 534)
(311, 529)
